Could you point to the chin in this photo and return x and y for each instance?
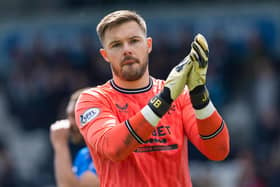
(132, 77)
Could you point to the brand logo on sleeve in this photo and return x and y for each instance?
(89, 115)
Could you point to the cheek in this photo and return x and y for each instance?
(113, 57)
(145, 54)
(145, 50)
(115, 60)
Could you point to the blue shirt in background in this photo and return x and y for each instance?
(83, 162)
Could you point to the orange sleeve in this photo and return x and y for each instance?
(108, 137)
(210, 135)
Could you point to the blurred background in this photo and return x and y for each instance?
(48, 49)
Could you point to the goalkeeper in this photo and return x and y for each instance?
(137, 127)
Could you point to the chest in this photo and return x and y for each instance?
(169, 131)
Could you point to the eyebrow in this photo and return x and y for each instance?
(135, 37)
(117, 41)
(113, 42)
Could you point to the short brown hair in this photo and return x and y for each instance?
(118, 17)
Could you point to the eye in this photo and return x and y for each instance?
(114, 45)
(134, 40)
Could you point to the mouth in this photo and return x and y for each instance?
(129, 61)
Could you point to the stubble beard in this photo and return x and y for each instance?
(131, 73)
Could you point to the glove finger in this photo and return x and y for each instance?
(203, 58)
(203, 48)
(194, 55)
(200, 39)
(200, 44)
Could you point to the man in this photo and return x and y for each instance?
(137, 127)
(83, 173)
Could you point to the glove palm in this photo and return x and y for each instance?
(199, 57)
(176, 79)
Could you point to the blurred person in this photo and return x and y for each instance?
(137, 127)
(82, 173)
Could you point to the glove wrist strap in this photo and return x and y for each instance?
(199, 97)
(158, 105)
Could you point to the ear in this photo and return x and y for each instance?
(150, 44)
(104, 54)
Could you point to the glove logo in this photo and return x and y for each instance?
(180, 66)
(89, 115)
(204, 97)
(156, 102)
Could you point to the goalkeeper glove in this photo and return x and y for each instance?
(175, 82)
(196, 79)
(173, 87)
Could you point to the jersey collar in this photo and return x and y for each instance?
(132, 91)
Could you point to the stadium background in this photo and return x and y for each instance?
(49, 49)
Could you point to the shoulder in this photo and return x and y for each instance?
(97, 89)
(100, 91)
(97, 94)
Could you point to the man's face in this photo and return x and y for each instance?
(127, 49)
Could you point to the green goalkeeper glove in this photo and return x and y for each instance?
(176, 80)
(196, 79)
(173, 87)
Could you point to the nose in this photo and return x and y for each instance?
(127, 49)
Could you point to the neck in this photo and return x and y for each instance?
(140, 83)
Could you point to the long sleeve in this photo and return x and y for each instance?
(209, 134)
(123, 143)
(109, 137)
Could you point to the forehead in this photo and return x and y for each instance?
(125, 30)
